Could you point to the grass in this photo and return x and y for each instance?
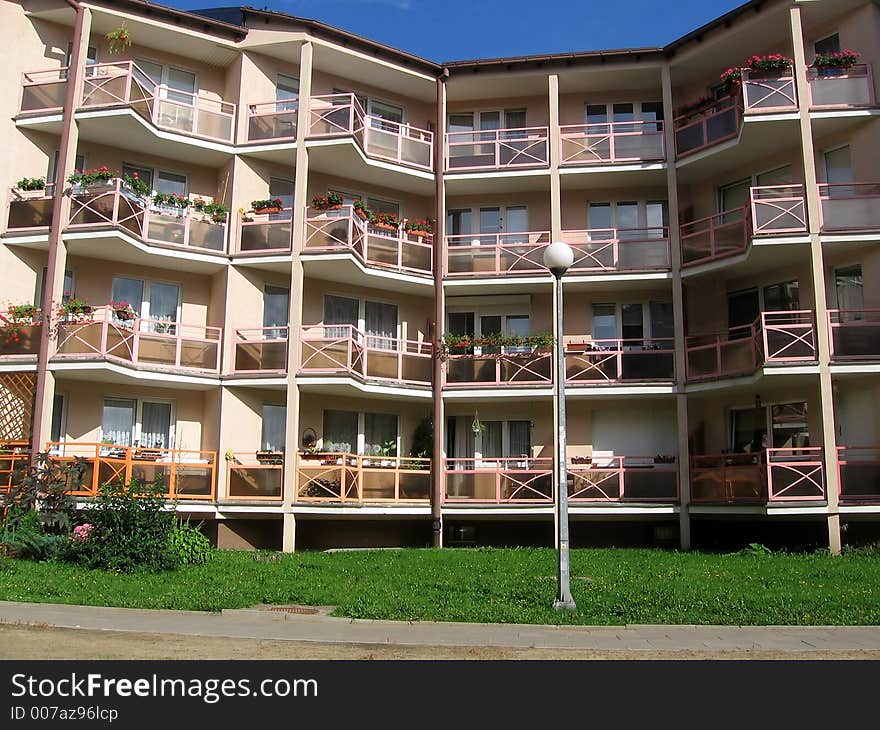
(611, 586)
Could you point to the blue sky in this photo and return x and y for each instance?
(464, 29)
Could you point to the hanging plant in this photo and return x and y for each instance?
(476, 426)
(119, 39)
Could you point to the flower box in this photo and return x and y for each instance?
(362, 214)
(268, 211)
(418, 234)
(384, 227)
(270, 457)
(30, 194)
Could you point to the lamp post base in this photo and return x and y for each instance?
(564, 604)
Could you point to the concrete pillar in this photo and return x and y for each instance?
(555, 235)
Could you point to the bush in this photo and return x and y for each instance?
(188, 545)
(130, 530)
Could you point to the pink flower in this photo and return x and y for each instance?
(82, 532)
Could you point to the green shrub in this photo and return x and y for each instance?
(130, 530)
(188, 545)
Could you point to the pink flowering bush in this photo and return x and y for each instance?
(838, 59)
(81, 532)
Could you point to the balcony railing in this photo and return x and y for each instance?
(778, 209)
(854, 334)
(254, 476)
(336, 115)
(622, 479)
(342, 231)
(849, 207)
(344, 478)
(606, 143)
(151, 343)
(496, 254)
(30, 211)
(113, 205)
(511, 366)
(43, 91)
(774, 338)
(15, 457)
(716, 122)
(272, 121)
(497, 149)
(184, 474)
(715, 237)
(607, 362)
(772, 475)
(125, 84)
(264, 234)
(605, 250)
(768, 91)
(336, 349)
(507, 480)
(260, 350)
(859, 468)
(20, 339)
(841, 87)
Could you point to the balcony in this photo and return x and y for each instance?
(260, 351)
(341, 231)
(124, 84)
(272, 121)
(849, 207)
(778, 209)
(20, 336)
(775, 338)
(497, 149)
(341, 478)
(774, 475)
(30, 211)
(261, 234)
(343, 350)
(254, 476)
(854, 334)
(498, 481)
(139, 343)
(839, 88)
(15, 459)
(499, 366)
(185, 475)
(43, 91)
(708, 125)
(716, 237)
(496, 254)
(113, 205)
(859, 474)
(612, 362)
(341, 115)
(768, 91)
(610, 479)
(619, 250)
(615, 143)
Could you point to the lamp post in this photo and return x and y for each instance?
(558, 257)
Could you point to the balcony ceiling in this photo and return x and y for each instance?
(469, 86)
(373, 72)
(612, 77)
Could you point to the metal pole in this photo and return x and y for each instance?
(564, 601)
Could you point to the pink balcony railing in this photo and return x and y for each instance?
(606, 143)
(272, 121)
(859, 468)
(854, 334)
(491, 480)
(43, 91)
(184, 474)
(342, 478)
(30, 211)
(778, 209)
(849, 207)
(342, 349)
(768, 91)
(337, 115)
(260, 350)
(113, 205)
(788, 337)
(603, 250)
(335, 231)
(262, 234)
(841, 88)
(512, 366)
(607, 362)
(254, 476)
(795, 474)
(125, 84)
(15, 458)
(497, 149)
(622, 479)
(20, 339)
(496, 254)
(716, 122)
(715, 237)
(151, 343)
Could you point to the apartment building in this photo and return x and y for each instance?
(215, 307)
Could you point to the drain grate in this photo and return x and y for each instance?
(294, 609)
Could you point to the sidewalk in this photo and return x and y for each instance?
(260, 624)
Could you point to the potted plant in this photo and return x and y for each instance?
(215, 212)
(388, 449)
(385, 221)
(118, 39)
(419, 228)
(31, 187)
(361, 210)
(243, 214)
(270, 457)
(330, 201)
(137, 186)
(17, 317)
(837, 60)
(731, 79)
(75, 310)
(123, 311)
(267, 207)
(772, 62)
(82, 180)
(664, 459)
(171, 202)
(477, 427)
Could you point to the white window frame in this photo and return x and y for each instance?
(491, 462)
(361, 432)
(647, 327)
(362, 310)
(156, 171)
(62, 436)
(609, 109)
(768, 418)
(642, 211)
(137, 426)
(148, 283)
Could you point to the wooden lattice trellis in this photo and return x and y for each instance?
(16, 406)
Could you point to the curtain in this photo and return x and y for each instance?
(276, 310)
(492, 440)
(117, 423)
(340, 431)
(464, 440)
(340, 311)
(164, 299)
(380, 431)
(274, 427)
(128, 290)
(156, 426)
(520, 436)
(381, 322)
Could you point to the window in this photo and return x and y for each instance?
(743, 308)
(274, 432)
(283, 190)
(733, 196)
(58, 430)
(157, 303)
(491, 221)
(497, 440)
(829, 44)
(837, 168)
(487, 121)
(380, 324)
(380, 434)
(145, 174)
(634, 322)
(68, 290)
(620, 112)
(737, 195)
(351, 432)
(91, 58)
(850, 291)
(286, 92)
(781, 297)
(483, 324)
(378, 319)
(276, 310)
(341, 431)
(626, 219)
(129, 422)
(779, 425)
(161, 181)
(79, 164)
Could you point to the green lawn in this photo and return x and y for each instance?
(612, 586)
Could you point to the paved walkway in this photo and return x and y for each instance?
(257, 624)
